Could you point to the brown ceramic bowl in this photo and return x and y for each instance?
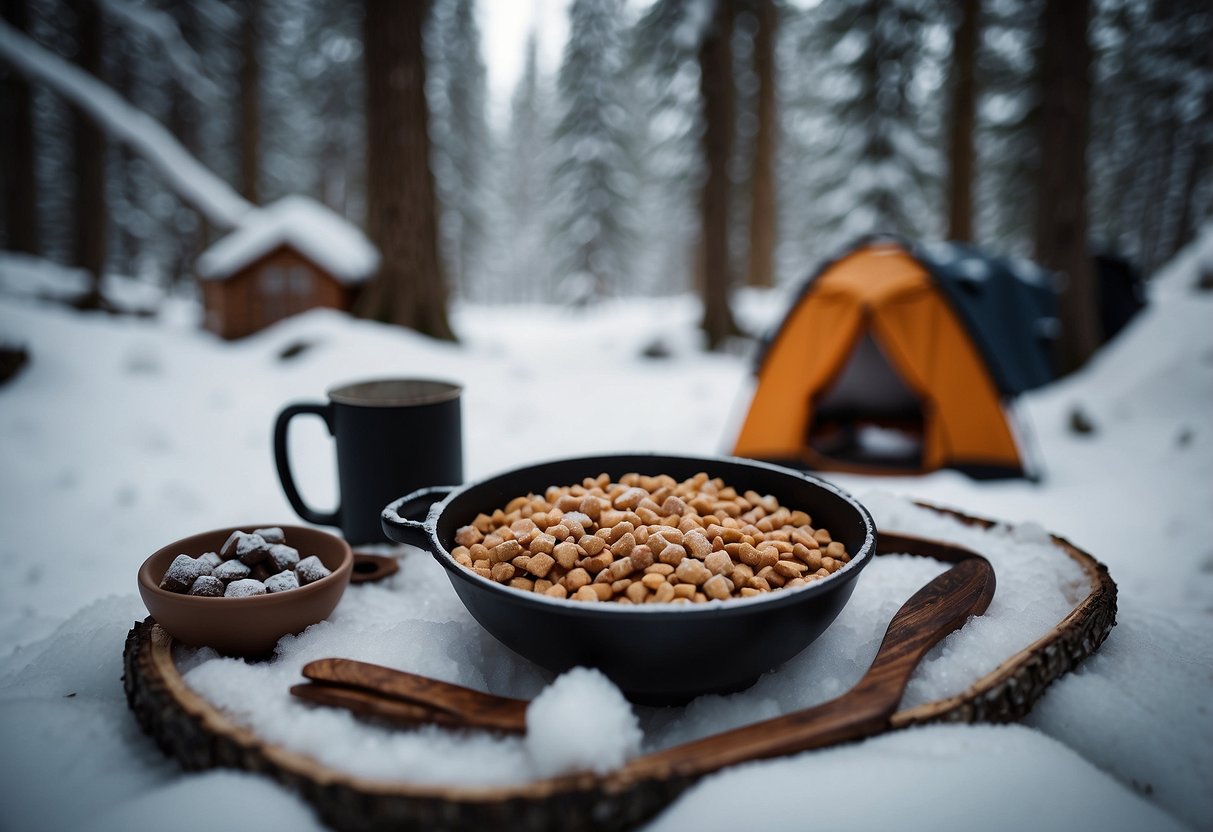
(248, 627)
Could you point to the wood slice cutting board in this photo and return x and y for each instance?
(201, 736)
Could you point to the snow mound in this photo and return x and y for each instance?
(330, 241)
(560, 737)
(878, 785)
(1183, 272)
(28, 277)
(236, 801)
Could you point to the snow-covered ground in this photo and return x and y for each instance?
(123, 434)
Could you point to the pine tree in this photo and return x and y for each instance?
(522, 269)
(187, 230)
(1152, 126)
(1007, 73)
(863, 126)
(171, 61)
(336, 92)
(50, 25)
(17, 150)
(667, 112)
(457, 95)
(806, 134)
(591, 177)
(249, 123)
(89, 151)
(312, 120)
(122, 195)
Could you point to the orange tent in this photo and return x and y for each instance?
(874, 370)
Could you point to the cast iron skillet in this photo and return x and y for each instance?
(654, 653)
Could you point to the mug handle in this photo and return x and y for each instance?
(396, 521)
(282, 460)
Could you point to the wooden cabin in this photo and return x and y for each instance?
(286, 258)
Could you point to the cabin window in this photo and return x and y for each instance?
(300, 281)
(286, 290)
(272, 282)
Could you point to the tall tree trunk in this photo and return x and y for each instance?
(182, 124)
(960, 127)
(1185, 226)
(334, 189)
(409, 289)
(185, 117)
(249, 123)
(1061, 219)
(1201, 156)
(17, 154)
(122, 168)
(761, 268)
(88, 151)
(716, 92)
(1153, 227)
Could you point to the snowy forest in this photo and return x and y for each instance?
(680, 145)
(532, 241)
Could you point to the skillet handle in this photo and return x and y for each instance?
(396, 521)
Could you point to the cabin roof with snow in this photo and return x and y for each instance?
(320, 235)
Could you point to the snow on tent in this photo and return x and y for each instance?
(904, 358)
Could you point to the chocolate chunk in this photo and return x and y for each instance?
(310, 569)
(261, 571)
(181, 574)
(207, 586)
(273, 534)
(244, 588)
(283, 557)
(252, 549)
(228, 550)
(231, 570)
(282, 582)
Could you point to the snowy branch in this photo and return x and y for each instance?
(163, 30)
(185, 175)
(217, 13)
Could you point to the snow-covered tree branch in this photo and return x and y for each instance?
(185, 174)
(160, 27)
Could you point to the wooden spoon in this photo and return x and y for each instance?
(939, 608)
(400, 696)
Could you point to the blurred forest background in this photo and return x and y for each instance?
(682, 145)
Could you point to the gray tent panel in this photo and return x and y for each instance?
(1008, 306)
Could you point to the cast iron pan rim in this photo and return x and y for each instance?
(713, 608)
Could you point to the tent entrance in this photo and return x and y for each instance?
(868, 416)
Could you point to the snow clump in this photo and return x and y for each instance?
(559, 738)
